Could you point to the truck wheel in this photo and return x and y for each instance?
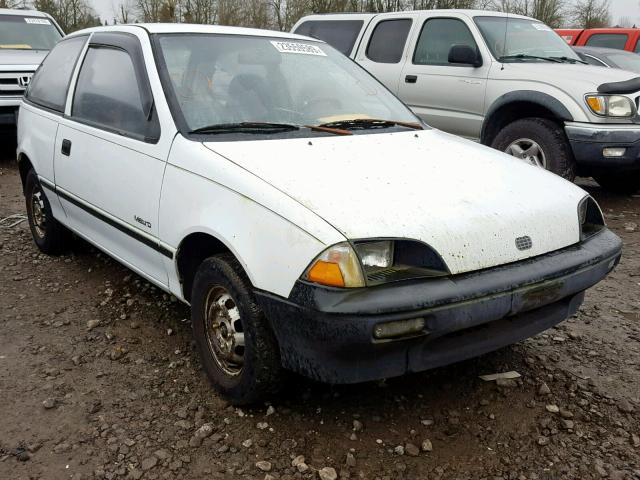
(626, 183)
(238, 350)
(50, 236)
(540, 142)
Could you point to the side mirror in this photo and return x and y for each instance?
(465, 55)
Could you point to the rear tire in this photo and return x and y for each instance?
(625, 183)
(238, 350)
(545, 136)
(50, 236)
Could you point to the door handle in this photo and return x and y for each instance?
(66, 147)
(411, 79)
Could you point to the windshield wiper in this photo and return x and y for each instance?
(263, 128)
(367, 123)
(247, 127)
(570, 60)
(524, 56)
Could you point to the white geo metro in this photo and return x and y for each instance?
(309, 218)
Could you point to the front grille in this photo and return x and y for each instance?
(13, 84)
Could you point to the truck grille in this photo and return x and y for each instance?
(13, 84)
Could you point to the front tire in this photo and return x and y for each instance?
(238, 350)
(540, 142)
(624, 183)
(50, 236)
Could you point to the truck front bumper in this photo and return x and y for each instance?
(328, 334)
(589, 140)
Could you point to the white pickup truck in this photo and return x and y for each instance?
(508, 81)
(26, 36)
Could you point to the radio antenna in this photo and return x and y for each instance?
(504, 43)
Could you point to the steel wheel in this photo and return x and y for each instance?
(529, 151)
(224, 330)
(38, 212)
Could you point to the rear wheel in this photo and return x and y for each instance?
(627, 183)
(238, 350)
(49, 235)
(539, 142)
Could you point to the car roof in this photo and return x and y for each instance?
(22, 12)
(193, 28)
(468, 12)
(603, 51)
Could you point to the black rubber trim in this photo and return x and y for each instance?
(530, 96)
(628, 86)
(424, 294)
(118, 226)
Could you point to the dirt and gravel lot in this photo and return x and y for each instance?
(99, 379)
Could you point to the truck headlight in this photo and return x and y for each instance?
(611, 105)
(373, 262)
(590, 217)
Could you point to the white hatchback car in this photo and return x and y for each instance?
(309, 218)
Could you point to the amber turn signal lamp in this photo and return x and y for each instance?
(326, 273)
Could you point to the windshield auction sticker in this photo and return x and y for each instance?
(295, 47)
(37, 21)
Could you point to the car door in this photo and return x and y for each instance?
(109, 161)
(446, 95)
(385, 49)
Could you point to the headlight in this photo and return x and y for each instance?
(376, 254)
(374, 262)
(590, 217)
(611, 105)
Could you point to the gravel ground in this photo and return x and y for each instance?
(99, 379)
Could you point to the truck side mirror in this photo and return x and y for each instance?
(465, 55)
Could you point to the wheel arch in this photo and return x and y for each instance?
(24, 165)
(192, 251)
(520, 104)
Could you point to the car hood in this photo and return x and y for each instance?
(575, 79)
(10, 57)
(467, 201)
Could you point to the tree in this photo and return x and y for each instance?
(551, 12)
(125, 12)
(624, 22)
(13, 3)
(590, 13)
(71, 15)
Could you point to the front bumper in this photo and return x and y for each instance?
(589, 139)
(327, 334)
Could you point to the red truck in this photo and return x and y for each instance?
(619, 38)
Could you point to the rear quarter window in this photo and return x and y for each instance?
(50, 84)
(608, 40)
(340, 34)
(388, 40)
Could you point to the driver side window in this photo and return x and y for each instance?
(437, 37)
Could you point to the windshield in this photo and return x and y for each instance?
(524, 39)
(625, 61)
(27, 33)
(231, 79)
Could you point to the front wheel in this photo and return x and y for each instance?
(539, 142)
(625, 183)
(237, 348)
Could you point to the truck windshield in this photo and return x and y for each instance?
(217, 80)
(525, 40)
(27, 33)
